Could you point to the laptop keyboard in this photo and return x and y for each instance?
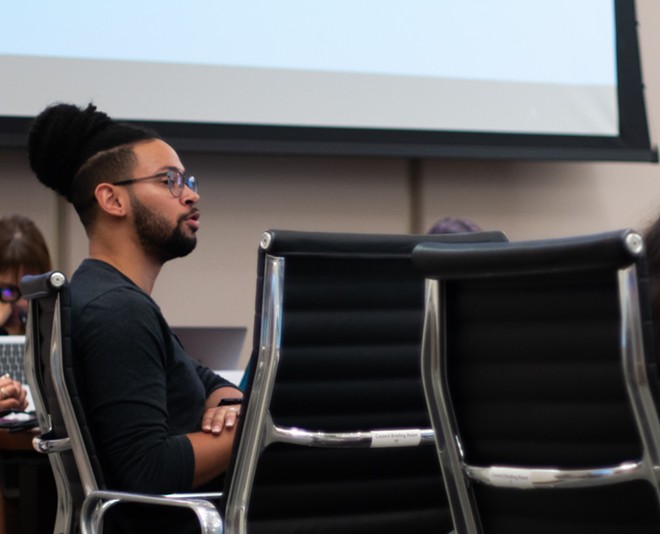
(11, 360)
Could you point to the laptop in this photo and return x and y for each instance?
(12, 350)
(216, 347)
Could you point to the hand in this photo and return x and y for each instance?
(13, 396)
(218, 418)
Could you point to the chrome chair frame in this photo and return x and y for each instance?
(45, 443)
(459, 475)
(261, 431)
(97, 501)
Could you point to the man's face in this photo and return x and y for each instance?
(165, 226)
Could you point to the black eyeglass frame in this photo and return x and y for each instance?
(9, 289)
(174, 177)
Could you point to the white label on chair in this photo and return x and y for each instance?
(395, 438)
(511, 477)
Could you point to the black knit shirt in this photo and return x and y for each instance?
(141, 392)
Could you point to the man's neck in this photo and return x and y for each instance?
(133, 264)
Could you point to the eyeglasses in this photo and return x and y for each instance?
(9, 294)
(175, 181)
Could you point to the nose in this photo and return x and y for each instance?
(188, 196)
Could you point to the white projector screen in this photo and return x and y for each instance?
(475, 78)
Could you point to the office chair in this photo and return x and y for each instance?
(541, 382)
(335, 435)
(83, 498)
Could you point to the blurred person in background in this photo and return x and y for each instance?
(23, 251)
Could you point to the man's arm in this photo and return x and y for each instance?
(212, 447)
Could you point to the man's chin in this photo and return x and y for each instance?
(178, 248)
(186, 246)
(192, 245)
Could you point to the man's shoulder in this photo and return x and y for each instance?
(95, 280)
(106, 303)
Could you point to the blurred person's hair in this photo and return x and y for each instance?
(454, 225)
(23, 249)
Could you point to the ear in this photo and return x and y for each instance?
(111, 199)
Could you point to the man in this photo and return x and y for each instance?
(156, 416)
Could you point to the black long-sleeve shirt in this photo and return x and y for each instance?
(142, 393)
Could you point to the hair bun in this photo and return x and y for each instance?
(63, 137)
(57, 138)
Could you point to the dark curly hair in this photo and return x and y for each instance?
(72, 150)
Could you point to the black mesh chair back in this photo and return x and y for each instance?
(83, 498)
(542, 385)
(335, 435)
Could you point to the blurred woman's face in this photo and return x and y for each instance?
(12, 314)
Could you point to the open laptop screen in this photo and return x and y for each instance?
(12, 349)
(218, 348)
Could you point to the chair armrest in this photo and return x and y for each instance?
(45, 444)
(98, 502)
(208, 496)
(396, 437)
(527, 478)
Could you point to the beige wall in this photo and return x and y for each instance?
(242, 196)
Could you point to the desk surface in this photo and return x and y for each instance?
(17, 441)
(28, 503)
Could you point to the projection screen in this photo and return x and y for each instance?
(554, 79)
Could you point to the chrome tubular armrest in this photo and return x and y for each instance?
(44, 444)
(405, 437)
(99, 502)
(209, 496)
(524, 478)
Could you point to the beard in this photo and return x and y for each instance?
(156, 236)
